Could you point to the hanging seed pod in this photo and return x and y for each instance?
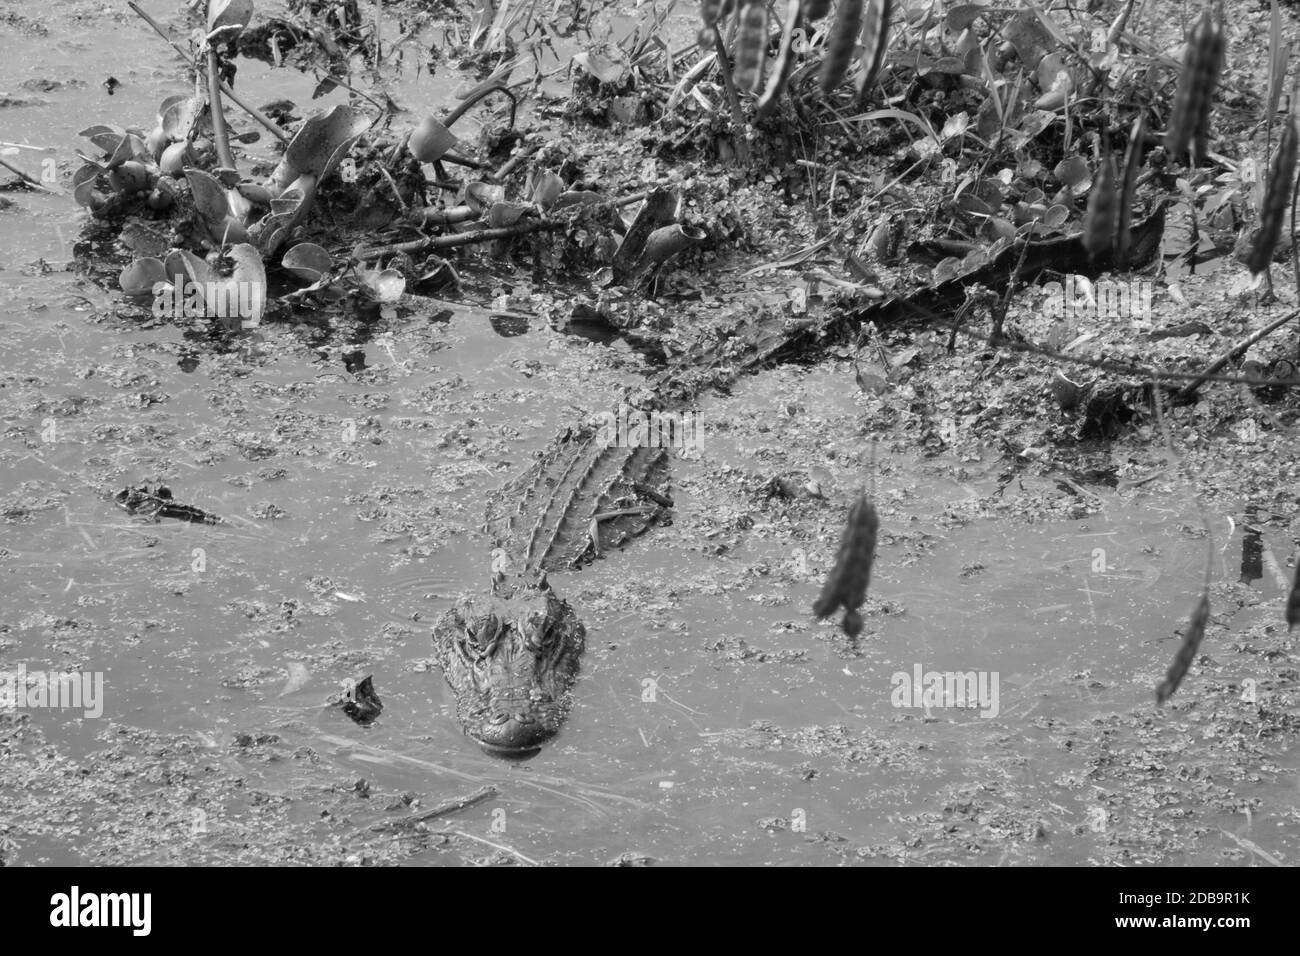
(1293, 601)
(1128, 191)
(1099, 220)
(1189, 123)
(846, 585)
(840, 43)
(1187, 653)
(751, 44)
(712, 12)
(875, 40)
(815, 9)
(784, 60)
(1276, 197)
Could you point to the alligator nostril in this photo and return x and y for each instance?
(497, 719)
(524, 718)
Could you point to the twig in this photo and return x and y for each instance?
(441, 810)
(1128, 368)
(460, 239)
(496, 846)
(25, 178)
(1190, 389)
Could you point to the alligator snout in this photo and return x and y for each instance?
(513, 736)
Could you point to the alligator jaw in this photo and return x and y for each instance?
(511, 659)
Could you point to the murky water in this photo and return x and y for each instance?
(715, 722)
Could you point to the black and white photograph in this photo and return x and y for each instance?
(650, 433)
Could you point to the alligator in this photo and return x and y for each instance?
(511, 656)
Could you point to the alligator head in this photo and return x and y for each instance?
(510, 658)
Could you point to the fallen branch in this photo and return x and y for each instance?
(460, 239)
(1190, 389)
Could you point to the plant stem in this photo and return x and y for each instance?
(737, 117)
(234, 98)
(219, 133)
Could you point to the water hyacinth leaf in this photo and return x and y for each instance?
(189, 274)
(178, 117)
(751, 44)
(107, 138)
(385, 285)
(307, 261)
(229, 17)
(961, 16)
(846, 585)
(875, 40)
(185, 267)
(599, 67)
(502, 214)
(840, 42)
(249, 278)
(814, 10)
(320, 144)
(547, 189)
(481, 196)
(209, 195)
(87, 173)
(1073, 172)
(287, 203)
(431, 140)
(1182, 661)
(1276, 198)
(129, 147)
(141, 276)
(88, 194)
(1056, 216)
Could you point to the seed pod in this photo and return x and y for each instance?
(713, 11)
(840, 43)
(751, 44)
(1099, 220)
(815, 9)
(1187, 653)
(1128, 192)
(846, 585)
(784, 60)
(1189, 123)
(1293, 602)
(875, 40)
(1276, 197)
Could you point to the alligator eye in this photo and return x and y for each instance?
(534, 630)
(473, 645)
